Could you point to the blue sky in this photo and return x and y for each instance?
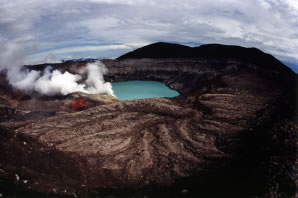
(50, 30)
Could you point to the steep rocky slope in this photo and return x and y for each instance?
(231, 133)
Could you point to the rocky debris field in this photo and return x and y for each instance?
(231, 133)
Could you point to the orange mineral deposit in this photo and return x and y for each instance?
(79, 104)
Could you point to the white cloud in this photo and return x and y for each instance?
(51, 58)
(45, 57)
(52, 26)
(89, 48)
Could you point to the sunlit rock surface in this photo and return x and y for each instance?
(232, 132)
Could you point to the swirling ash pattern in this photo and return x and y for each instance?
(148, 141)
(132, 144)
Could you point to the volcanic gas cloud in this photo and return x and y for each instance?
(51, 82)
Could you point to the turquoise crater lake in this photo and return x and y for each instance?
(139, 89)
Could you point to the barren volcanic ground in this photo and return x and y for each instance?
(231, 132)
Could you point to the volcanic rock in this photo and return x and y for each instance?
(231, 132)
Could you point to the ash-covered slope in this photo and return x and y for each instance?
(232, 133)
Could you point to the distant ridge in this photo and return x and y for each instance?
(211, 51)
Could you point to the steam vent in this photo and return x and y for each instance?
(230, 133)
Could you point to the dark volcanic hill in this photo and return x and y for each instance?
(231, 132)
(218, 51)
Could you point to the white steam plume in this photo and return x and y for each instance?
(95, 82)
(50, 82)
(56, 83)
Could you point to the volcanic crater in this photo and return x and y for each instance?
(231, 132)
